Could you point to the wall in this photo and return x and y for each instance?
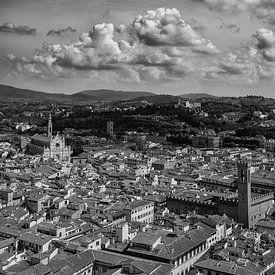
(179, 206)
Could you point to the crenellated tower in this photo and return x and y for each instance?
(244, 193)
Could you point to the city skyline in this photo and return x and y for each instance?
(225, 48)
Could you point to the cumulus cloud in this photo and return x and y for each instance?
(266, 11)
(61, 32)
(262, 9)
(265, 72)
(234, 64)
(11, 28)
(266, 44)
(237, 5)
(197, 26)
(269, 54)
(156, 46)
(166, 27)
(265, 38)
(248, 64)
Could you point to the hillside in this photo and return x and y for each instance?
(157, 99)
(9, 94)
(197, 96)
(111, 95)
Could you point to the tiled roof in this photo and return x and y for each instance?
(137, 204)
(173, 246)
(40, 138)
(145, 238)
(11, 231)
(228, 267)
(269, 224)
(35, 238)
(5, 243)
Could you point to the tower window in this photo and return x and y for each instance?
(242, 176)
(57, 145)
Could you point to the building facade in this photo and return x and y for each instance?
(248, 207)
(50, 147)
(252, 206)
(206, 141)
(110, 128)
(142, 211)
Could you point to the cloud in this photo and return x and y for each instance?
(265, 38)
(165, 27)
(234, 64)
(266, 44)
(232, 27)
(61, 32)
(266, 11)
(11, 28)
(265, 72)
(229, 5)
(197, 26)
(269, 54)
(154, 47)
(262, 9)
(248, 64)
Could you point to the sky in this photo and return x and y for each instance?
(221, 47)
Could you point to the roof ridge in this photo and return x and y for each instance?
(170, 255)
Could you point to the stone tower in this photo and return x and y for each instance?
(110, 128)
(50, 126)
(244, 193)
(179, 101)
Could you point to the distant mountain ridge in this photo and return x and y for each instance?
(157, 99)
(111, 95)
(13, 94)
(9, 93)
(197, 96)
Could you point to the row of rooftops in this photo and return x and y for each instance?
(106, 179)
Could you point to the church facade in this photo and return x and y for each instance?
(50, 147)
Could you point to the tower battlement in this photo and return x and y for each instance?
(243, 163)
(192, 200)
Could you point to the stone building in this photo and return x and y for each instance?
(252, 206)
(110, 129)
(247, 207)
(50, 147)
(203, 141)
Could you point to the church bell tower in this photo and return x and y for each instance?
(50, 126)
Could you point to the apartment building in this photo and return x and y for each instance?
(141, 211)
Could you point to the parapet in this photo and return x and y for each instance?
(244, 163)
(262, 196)
(209, 203)
(228, 200)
